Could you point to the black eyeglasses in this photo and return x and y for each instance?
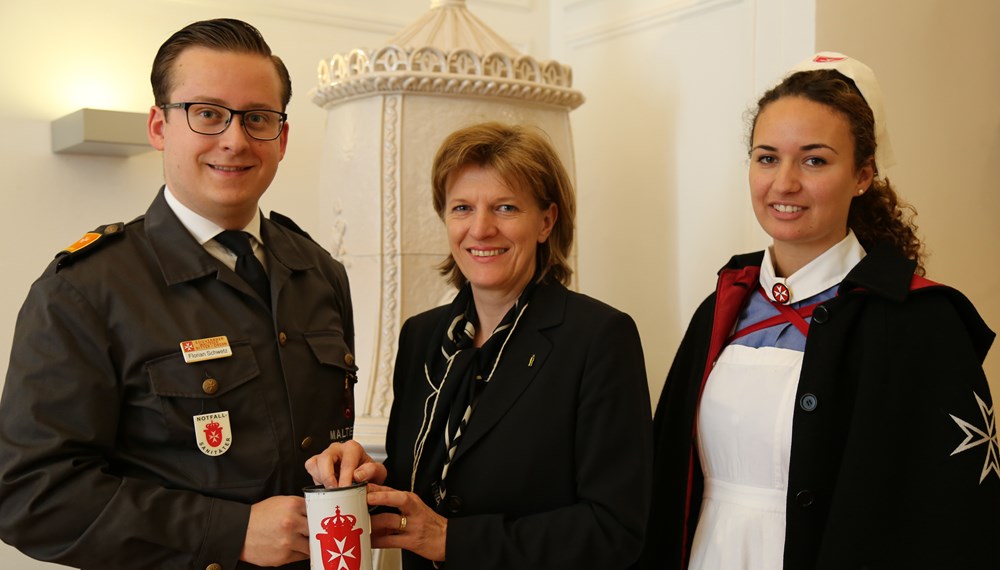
(212, 119)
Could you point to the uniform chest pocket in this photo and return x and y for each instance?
(330, 348)
(171, 377)
(337, 360)
(232, 384)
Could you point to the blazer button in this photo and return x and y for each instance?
(306, 443)
(820, 315)
(808, 402)
(214, 566)
(349, 359)
(804, 499)
(282, 339)
(453, 504)
(210, 386)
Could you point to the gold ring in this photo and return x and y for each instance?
(402, 523)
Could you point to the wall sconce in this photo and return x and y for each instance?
(93, 131)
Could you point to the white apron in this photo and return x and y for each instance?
(745, 437)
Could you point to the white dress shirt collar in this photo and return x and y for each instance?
(204, 229)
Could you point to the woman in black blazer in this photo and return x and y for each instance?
(519, 435)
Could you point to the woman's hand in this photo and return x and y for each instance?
(342, 464)
(416, 528)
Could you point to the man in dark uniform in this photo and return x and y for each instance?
(170, 376)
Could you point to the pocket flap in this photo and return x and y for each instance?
(170, 376)
(331, 349)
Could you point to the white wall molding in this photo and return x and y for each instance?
(324, 13)
(572, 5)
(519, 4)
(668, 13)
(329, 13)
(380, 399)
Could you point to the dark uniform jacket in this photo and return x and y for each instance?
(554, 468)
(99, 465)
(894, 451)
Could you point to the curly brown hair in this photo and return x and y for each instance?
(878, 215)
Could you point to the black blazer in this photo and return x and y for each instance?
(554, 468)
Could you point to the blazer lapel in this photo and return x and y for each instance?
(522, 358)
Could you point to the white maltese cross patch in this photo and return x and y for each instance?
(976, 436)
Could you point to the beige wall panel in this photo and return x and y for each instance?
(938, 64)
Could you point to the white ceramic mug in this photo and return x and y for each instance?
(339, 528)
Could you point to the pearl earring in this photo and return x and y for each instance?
(861, 191)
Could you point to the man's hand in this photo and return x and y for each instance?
(278, 532)
(342, 464)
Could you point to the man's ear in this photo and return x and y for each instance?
(155, 125)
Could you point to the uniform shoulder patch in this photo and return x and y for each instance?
(90, 241)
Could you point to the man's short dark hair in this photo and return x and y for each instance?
(224, 34)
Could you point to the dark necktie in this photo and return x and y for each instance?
(247, 265)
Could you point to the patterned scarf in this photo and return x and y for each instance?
(448, 412)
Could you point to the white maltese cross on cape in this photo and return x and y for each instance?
(975, 436)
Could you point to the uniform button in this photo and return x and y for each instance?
(349, 359)
(282, 339)
(804, 498)
(214, 566)
(210, 386)
(821, 315)
(306, 443)
(808, 402)
(453, 504)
